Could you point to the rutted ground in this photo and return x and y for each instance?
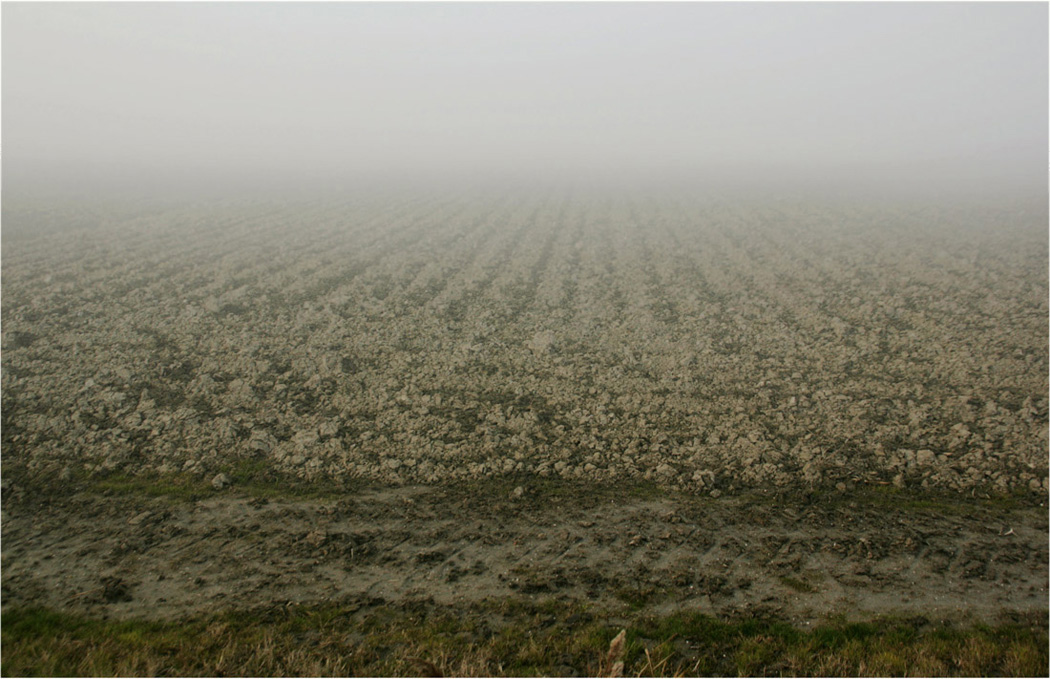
(777, 371)
(798, 557)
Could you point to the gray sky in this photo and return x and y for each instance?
(298, 94)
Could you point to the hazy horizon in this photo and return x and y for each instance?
(215, 97)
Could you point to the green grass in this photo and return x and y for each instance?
(513, 637)
(638, 598)
(253, 478)
(257, 479)
(944, 502)
(921, 501)
(174, 486)
(797, 584)
(558, 490)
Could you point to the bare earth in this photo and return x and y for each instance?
(791, 557)
(835, 408)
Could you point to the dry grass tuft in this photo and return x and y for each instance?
(612, 664)
(513, 642)
(426, 668)
(654, 669)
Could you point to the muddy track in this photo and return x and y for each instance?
(157, 558)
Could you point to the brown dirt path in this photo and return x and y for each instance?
(802, 558)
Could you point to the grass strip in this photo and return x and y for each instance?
(256, 478)
(506, 638)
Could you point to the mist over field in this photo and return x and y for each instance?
(218, 99)
(433, 338)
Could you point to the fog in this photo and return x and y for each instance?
(945, 98)
(549, 317)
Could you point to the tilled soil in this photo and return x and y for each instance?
(801, 557)
(701, 344)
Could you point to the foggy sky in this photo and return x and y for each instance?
(245, 94)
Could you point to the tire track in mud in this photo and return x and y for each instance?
(229, 552)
